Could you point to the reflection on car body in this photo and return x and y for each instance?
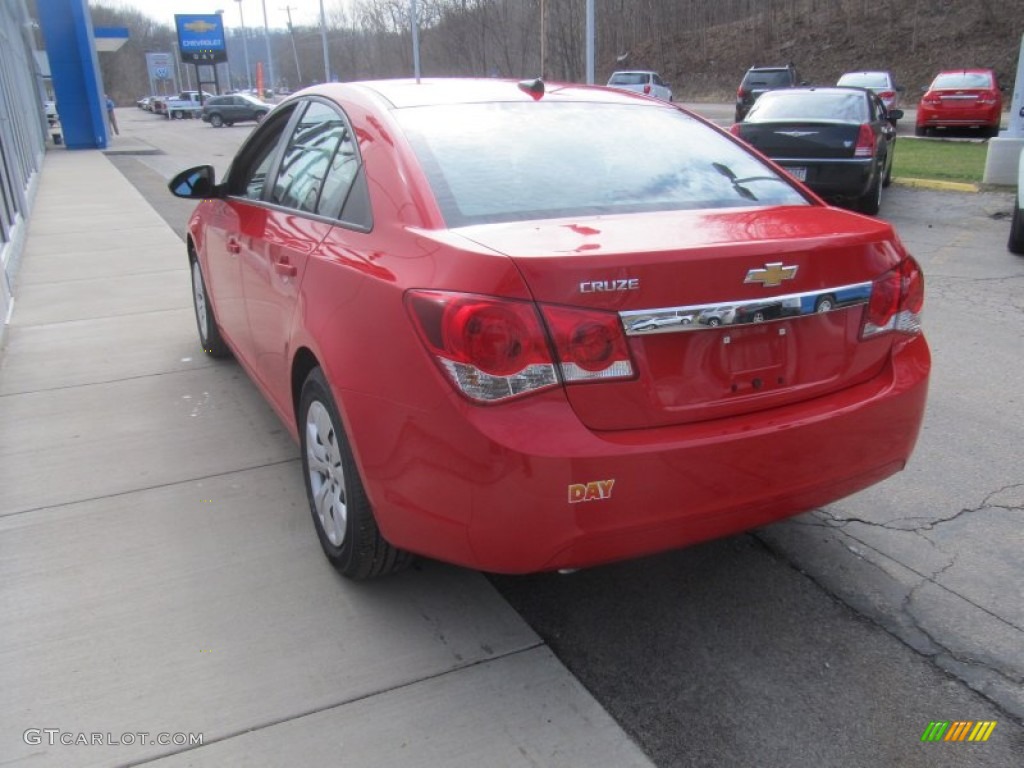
(397, 265)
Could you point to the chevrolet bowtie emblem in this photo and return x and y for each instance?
(773, 274)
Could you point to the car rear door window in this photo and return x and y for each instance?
(308, 157)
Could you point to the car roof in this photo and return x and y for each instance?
(867, 72)
(788, 93)
(779, 68)
(436, 91)
(634, 72)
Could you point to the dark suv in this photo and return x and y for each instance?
(761, 79)
(236, 108)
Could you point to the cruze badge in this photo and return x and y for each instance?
(598, 490)
(604, 286)
(773, 274)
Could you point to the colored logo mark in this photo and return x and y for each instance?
(958, 730)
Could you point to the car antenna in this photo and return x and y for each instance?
(533, 87)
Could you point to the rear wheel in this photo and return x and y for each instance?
(888, 166)
(871, 201)
(920, 130)
(341, 512)
(209, 334)
(1016, 241)
(216, 120)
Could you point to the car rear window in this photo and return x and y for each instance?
(629, 78)
(963, 80)
(810, 105)
(865, 79)
(777, 78)
(518, 161)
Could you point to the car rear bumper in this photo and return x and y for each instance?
(524, 487)
(967, 118)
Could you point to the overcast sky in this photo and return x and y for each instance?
(304, 12)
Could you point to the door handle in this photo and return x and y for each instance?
(285, 269)
(234, 246)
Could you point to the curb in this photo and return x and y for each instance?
(947, 186)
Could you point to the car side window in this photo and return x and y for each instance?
(658, 80)
(248, 175)
(308, 158)
(340, 175)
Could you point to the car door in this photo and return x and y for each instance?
(293, 227)
(233, 223)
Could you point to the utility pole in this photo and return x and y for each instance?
(291, 31)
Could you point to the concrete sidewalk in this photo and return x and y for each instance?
(159, 572)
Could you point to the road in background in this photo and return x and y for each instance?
(835, 638)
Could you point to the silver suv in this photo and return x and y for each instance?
(641, 81)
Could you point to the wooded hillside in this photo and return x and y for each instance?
(702, 47)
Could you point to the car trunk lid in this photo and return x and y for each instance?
(803, 139)
(761, 272)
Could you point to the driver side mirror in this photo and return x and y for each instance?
(197, 183)
(896, 114)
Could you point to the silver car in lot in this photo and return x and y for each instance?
(881, 82)
(643, 81)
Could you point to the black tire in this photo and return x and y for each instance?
(919, 131)
(343, 517)
(1016, 241)
(871, 201)
(889, 159)
(216, 120)
(209, 334)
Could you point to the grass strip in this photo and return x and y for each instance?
(942, 160)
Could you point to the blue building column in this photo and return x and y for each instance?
(74, 67)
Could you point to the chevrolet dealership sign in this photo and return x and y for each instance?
(201, 38)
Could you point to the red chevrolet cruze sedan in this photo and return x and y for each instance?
(965, 98)
(480, 308)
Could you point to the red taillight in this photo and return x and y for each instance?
(647, 88)
(865, 142)
(931, 99)
(494, 349)
(590, 345)
(740, 93)
(887, 95)
(897, 298)
(734, 129)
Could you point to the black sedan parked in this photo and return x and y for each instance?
(236, 108)
(838, 141)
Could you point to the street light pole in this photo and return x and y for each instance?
(266, 39)
(245, 46)
(323, 35)
(415, 24)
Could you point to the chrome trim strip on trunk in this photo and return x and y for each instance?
(706, 317)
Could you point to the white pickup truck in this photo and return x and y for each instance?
(185, 104)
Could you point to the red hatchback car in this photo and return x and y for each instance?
(478, 313)
(966, 98)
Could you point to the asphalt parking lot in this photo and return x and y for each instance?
(175, 584)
